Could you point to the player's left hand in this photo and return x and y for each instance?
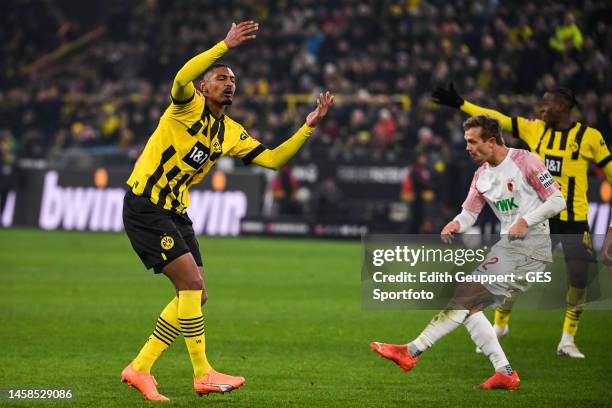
(324, 102)
(518, 230)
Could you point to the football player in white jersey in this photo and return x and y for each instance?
(523, 195)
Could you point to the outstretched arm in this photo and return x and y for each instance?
(276, 158)
(450, 97)
(182, 88)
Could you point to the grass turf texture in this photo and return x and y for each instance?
(285, 314)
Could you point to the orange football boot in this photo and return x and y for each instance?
(501, 381)
(217, 382)
(398, 353)
(143, 382)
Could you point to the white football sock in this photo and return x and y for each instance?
(443, 323)
(483, 335)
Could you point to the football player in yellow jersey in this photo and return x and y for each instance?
(191, 135)
(568, 148)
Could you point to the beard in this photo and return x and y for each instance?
(227, 102)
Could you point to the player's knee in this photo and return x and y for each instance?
(204, 297)
(194, 282)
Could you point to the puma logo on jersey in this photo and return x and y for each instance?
(506, 204)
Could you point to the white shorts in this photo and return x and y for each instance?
(507, 267)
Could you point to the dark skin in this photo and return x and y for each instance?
(218, 86)
(185, 274)
(555, 111)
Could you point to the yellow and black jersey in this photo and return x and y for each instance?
(189, 140)
(566, 153)
(186, 144)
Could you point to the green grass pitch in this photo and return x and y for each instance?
(285, 314)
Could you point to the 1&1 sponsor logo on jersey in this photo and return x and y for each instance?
(554, 164)
(197, 156)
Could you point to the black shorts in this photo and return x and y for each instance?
(158, 236)
(574, 237)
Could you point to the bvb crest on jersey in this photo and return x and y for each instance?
(574, 146)
(167, 242)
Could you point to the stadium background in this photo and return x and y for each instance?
(83, 86)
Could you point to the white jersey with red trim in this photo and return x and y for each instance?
(514, 188)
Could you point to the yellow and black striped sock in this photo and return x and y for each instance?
(575, 302)
(502, 317)
(571, 321)
(166, 331)
(191, 323)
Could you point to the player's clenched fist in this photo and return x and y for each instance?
(241, 32)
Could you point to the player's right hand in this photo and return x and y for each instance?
(240, 33)
(448, 231)
(447, 96)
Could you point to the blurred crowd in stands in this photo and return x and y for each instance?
(103, 81)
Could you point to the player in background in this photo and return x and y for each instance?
(568, 148)
(191, 135)
(523, 195)
(606, 249)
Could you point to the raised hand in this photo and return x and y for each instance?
(324, 102)
(447, 96)
(240, 33)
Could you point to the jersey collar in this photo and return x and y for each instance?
(208, 112)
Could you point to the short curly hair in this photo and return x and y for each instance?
(491, 127)
(214, 66)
